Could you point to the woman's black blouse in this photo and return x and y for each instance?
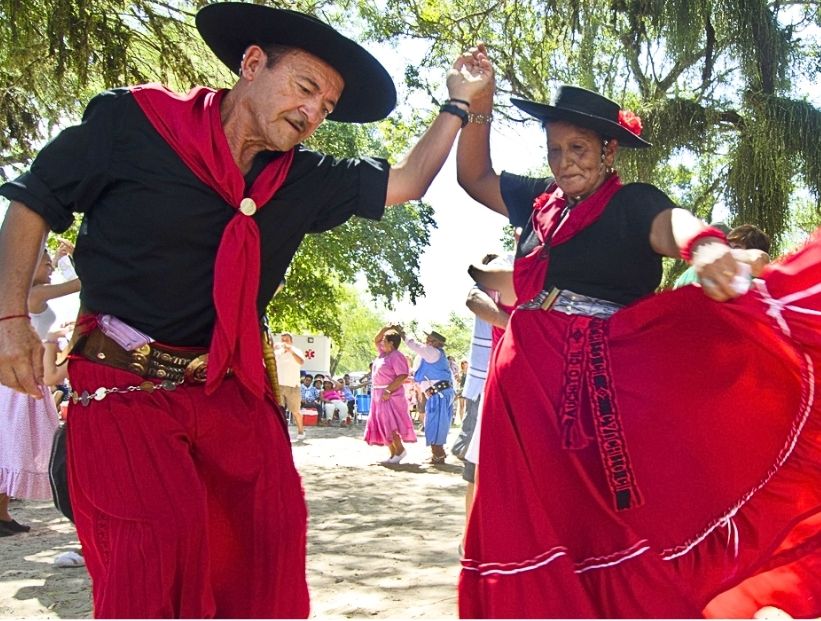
(611, 259)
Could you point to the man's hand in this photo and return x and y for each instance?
(756, 259)
(471, 75)
(21, 357)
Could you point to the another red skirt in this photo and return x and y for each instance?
(640, 466)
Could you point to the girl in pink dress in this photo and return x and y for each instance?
(389, 422)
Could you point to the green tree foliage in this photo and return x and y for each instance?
(721, 85)
(805, 218)
(55, 54)
(458, 330)
(355, 349)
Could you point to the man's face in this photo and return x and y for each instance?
(290, 100)
(286, 339)
(307, 380)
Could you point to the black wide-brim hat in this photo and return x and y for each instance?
(435, 335)
(230, 27)
(584, 108)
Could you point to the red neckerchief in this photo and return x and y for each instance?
(192, 126)
(530, 271)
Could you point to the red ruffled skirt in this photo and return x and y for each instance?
(663, 463)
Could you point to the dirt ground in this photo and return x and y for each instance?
(382, 541)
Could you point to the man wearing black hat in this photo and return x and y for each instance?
(434, 377)
(184, 490)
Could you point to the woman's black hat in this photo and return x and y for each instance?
(584, 108)
(230, 27)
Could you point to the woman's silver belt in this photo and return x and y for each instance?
(572, 303)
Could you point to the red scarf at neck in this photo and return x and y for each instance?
(530, 271)
(191, 124)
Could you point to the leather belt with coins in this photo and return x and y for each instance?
(155, 361)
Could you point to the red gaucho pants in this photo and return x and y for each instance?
(186, 505)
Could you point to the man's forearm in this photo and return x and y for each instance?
(21, 241)
(427, 352)
(411, 178)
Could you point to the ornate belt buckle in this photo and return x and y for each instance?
(551, 298)
(197, 370)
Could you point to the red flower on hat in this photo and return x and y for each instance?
(630, 121)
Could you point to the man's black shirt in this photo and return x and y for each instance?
(151, 228)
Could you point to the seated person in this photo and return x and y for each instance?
(333, 401)
(309, 395)
(347, 394)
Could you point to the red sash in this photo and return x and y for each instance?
(192, 126)
(530, 271)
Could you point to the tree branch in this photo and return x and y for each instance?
(633, 49)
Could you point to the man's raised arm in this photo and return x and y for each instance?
(410, 178)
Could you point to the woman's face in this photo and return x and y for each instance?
(44, 270)
(387, 345)
(575, 158)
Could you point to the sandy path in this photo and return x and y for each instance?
(382, 542)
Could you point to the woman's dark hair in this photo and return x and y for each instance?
(392, 337)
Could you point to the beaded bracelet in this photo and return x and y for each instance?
(14, 317)
(457, 111)
(480, 119)
(686, 251)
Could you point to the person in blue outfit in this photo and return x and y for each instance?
(436, 379)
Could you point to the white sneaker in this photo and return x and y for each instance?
(300, 437)
(398, 458)
(70, 559)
